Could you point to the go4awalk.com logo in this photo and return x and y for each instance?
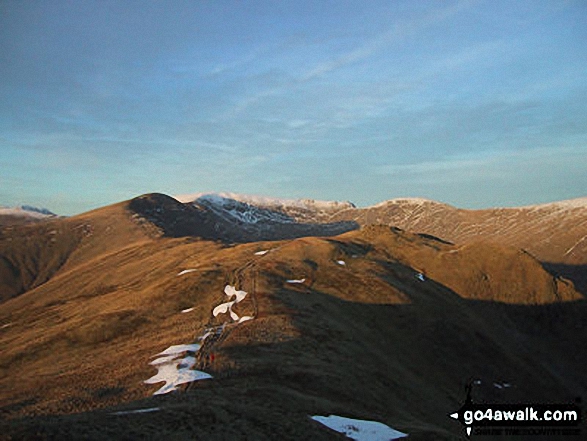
(519, 419)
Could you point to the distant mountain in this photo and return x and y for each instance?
(252, 209)
(554, 233)
(241, 218)
(26, 210)
(23, 214)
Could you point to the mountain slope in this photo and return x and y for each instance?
(555, 233)
(376, 323)
(552, 232)
(31, 254)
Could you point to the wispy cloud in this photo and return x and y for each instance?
(481, 165)
(399, 31)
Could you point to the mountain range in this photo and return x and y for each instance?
(277, 311)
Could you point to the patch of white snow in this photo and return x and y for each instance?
(181, 273)
(261, 253)
(360, 430)
(162, 360)
(176, 372)
(295, 281)
(178, 349)
(222, 308)
(231, 291)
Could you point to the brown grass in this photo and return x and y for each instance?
(366, 340)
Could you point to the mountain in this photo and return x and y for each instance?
(375, 323)
(255, 209)
(23, 214)
(554, 233)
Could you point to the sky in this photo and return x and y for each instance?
(472, 103)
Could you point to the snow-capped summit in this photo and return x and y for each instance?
(254, 209)
(26, 211)
(268, 202)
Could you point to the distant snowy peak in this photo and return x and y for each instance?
(259, 209)
(267, 202)
(414, 202)
(26, 211)
(568, 204)
(241, 212)
(422, 202)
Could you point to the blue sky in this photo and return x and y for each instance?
(473, 103)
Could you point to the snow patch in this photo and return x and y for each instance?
(231, 291)
(420, 277)
(186, 271)
(179, 349)
(295, 281)
(222, 308)
(205, 336)
(163, 360)
(187, 310)
(175, 364)
(261, 253)
(360, 430)
(175, 369)
(341, 262)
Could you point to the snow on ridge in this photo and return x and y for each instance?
(245, 212)
(419, 202)
(405, 201)
(28, 211)
(266, 201)
(566, 204)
